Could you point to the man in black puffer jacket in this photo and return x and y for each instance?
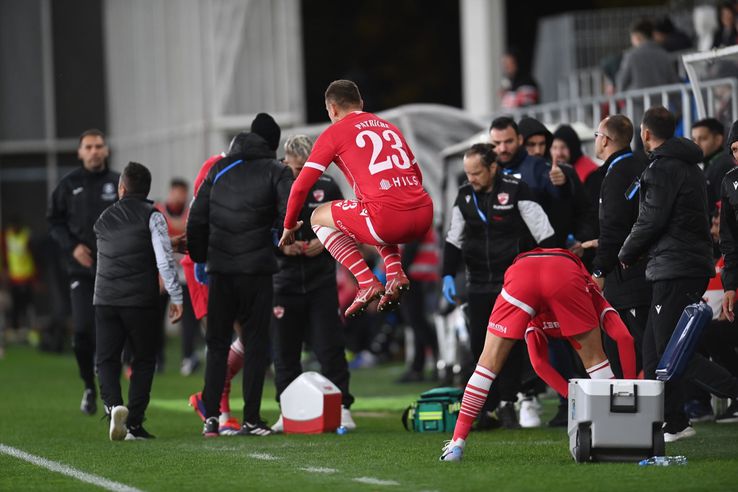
(673, 229)
(230, 229)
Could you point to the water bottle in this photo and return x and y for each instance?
(664, 461)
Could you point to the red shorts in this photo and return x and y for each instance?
(377, 224)
(553, 286)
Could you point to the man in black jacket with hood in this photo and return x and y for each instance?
(673, 229)
(230, 229)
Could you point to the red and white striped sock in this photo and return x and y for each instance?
(346, 252)
(390, 254)
(235, 364)
(601, 371)
(475, 395)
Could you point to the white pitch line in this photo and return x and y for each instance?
(264, 457)
(67, 470)
(318, 469)
(375, 481)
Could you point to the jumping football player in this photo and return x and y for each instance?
(391, 206)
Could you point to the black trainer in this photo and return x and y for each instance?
(507, 416)
(211, 427)
(260, 428)
(89, 402)
(138, 433)
(561, 419)
(730, 415)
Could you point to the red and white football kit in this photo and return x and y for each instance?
(547, 293)
(391, 206)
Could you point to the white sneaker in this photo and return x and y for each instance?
(278, 426)
(682, 434)
(346, 420)
(118, 417)
(529, 416)
(453, 450)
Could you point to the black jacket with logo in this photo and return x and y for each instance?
(302, 274)
(75, 205)
(673, 226)
(618, 211)
(126, 270)
(489, 229)
(729, 229)
(243, 197)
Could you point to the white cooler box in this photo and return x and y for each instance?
(311, 404)
(615, 419)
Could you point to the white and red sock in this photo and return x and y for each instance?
(235, 364)
(601, 371)
(475, 395)
(346, 252)
(390, 254)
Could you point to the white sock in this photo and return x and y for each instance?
(601, 371)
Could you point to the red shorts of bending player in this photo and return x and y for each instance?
(545, 280)
(548, 293)
(378, 224)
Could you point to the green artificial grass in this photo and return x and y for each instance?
(39, 400)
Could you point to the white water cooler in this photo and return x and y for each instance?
(311, 404)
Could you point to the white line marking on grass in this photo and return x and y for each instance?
(67, 470)
(319, 469)
(375, 481)
(263, 456)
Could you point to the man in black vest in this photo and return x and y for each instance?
(76, 203)
(133, 249)
(494, 218)
(230, 228)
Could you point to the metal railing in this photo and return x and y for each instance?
(720, 95)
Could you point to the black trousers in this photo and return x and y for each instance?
(310, 318)
(670, 297)
(81, 291)
(139, 327)
(508, 381)
(635, 319)
(248, 300)
(424, 334)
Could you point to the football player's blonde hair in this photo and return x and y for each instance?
(299, 145)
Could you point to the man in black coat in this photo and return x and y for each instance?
(230, 229)
(75, 205)
(673, 230)
(625, 289)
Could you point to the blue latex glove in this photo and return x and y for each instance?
(200, 274)
(449, 288)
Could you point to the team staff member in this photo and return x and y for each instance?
(625, 289)
(75, 205)
(230, 229)
(493, 219)
(673, 230)
(306, 295)
(133, 249)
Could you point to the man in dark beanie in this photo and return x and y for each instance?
(230, 229)
(268, 129)
(133, 249)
